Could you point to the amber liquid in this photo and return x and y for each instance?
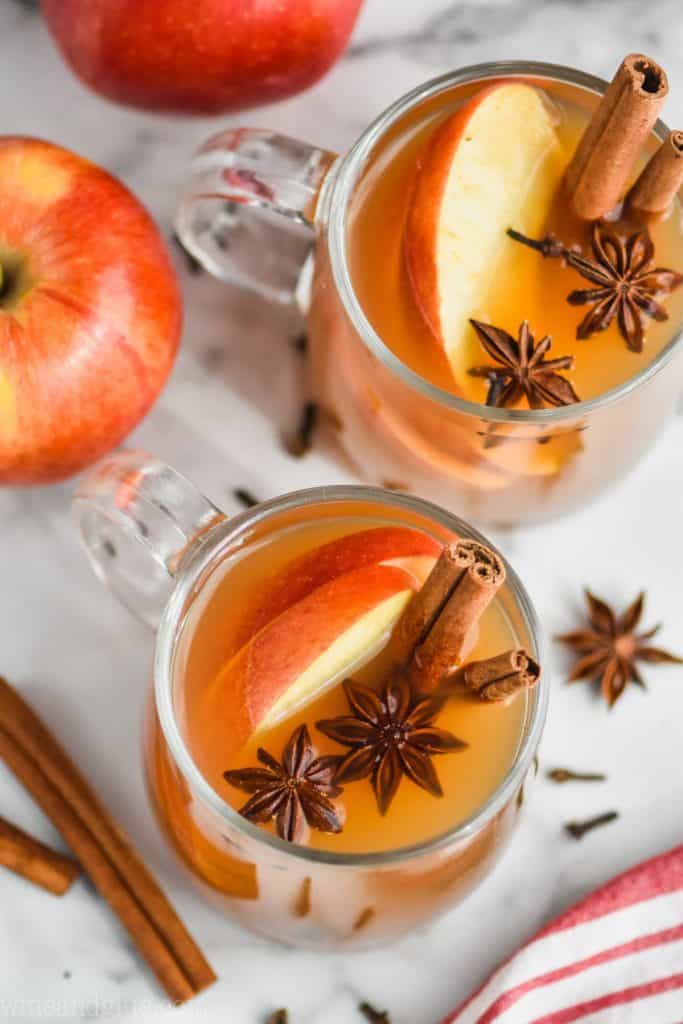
(492, 732)
(489, 468)
(292, 892)
(522, 286)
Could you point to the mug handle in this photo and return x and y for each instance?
(248, 212)
(139, 520)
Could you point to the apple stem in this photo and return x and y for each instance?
(547, 246)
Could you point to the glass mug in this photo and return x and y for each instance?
(160, 546)
(250, 186)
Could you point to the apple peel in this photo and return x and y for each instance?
(304, 574)
(342, 658)
(307, 648)
(481, 170)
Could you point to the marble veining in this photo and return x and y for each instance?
(85, 662)
(434, 39)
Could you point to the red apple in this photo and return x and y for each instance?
(320, 565)
(200, 56)
(493, 164)
(90, 312)
(306, 649)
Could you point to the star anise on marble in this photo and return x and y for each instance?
(611, 647)
(522, 370)
(391, 733)
(297, 792)
(627, 286)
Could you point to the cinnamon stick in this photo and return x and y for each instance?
(434, 629)
(660, 179)
(105, 853)
(500, 677)
(424, 608)
(600, 168)
(34, 861)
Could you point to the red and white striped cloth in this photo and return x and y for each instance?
(614, 958)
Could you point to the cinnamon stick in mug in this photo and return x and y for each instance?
(660, 179)
(426, 605)
(500, 677)
(599, 171)
(435, 627)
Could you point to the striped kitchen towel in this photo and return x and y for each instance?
(614, 958)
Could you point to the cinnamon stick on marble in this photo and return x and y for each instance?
(41, 764)
(431, 636)
(502, 676)
(34, 861)
(660, 179)
(599, 171)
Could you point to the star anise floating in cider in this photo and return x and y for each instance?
(626, 284)
(610, 648)
(392, 728)
(522, 371)
(391, 733)
(296, 792)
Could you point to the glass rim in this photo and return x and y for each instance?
(201, 559)
(336, 198)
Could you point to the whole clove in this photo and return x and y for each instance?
(578, 829)
(245, 497)
(373, 1015)
(396, 485)
(302, 904)
(278, 1017)
(301, 443)
(567, 775)
(301, 343)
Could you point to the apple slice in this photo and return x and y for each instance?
(492, 164)
(320, 565)
(418, 566)
(455, 452)
(307, 648)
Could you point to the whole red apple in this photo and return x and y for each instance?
(90, 312)
(200, 56)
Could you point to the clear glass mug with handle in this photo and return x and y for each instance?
(256, 204)
(161, 548)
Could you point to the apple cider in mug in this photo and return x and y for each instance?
(358, 688)
(498, 247)
(494, 300)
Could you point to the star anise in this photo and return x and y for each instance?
(391, 734)
(611, 647)
(627, 285)
(296, 792)
(524, 371)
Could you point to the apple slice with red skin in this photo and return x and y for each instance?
(328, 561)
(475, 181)
(306, 648)
(417, 566)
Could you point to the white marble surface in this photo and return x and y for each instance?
(85, 662)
